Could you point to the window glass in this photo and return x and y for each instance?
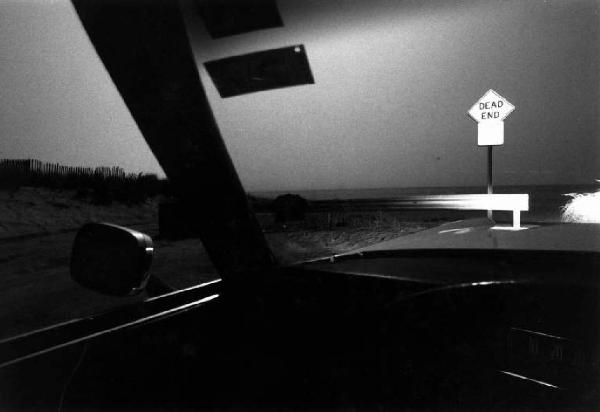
(70, 153)
(387, 113)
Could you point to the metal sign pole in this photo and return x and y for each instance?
(490, 189)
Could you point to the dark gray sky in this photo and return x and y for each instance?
(393, 82)
(57, 102)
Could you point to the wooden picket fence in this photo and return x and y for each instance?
(106, 182)
(27, 168)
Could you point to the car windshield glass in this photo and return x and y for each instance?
(408, 101)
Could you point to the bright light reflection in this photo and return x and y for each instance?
(529, 379)
(582, 208)
(457, 231)
(511, 228)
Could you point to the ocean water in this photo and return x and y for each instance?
(535, 191)
(545, 201)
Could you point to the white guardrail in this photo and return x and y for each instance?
(516, 203)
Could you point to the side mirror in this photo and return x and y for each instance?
(111, 259)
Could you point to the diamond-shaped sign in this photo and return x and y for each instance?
(491, 106)
(489, 112)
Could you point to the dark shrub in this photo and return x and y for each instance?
(289, 207)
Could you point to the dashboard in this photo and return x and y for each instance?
(497, 327)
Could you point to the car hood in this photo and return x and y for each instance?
(485, 234)
(478, 252)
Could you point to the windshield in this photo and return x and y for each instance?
(376, 104)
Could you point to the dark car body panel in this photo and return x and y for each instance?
(306, 339)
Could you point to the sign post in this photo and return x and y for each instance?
(490, 189)
(489, 112)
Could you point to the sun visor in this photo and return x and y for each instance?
(229, 17)
(259, 71)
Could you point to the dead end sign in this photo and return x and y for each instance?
(489, 112)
